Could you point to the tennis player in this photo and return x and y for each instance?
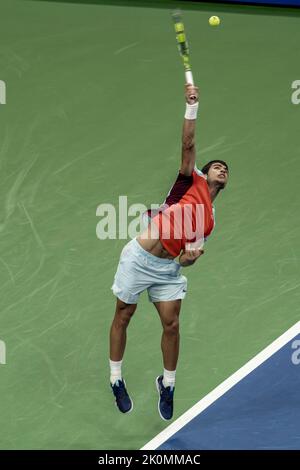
(148, 261)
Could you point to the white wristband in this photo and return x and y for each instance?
(191, 111)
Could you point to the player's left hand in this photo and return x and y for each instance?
(189, 257)
(193, 254)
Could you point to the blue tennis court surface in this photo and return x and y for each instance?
(260, 412)
(256, 408)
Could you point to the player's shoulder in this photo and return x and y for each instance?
(181, 176)
(198, 172)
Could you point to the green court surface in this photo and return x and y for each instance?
(94, 110)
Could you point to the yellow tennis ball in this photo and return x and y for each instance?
(214, 21)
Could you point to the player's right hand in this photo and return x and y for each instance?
(191, 93)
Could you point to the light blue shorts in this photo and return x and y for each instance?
(138, 270)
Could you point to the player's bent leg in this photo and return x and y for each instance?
(123, 314)
(118, 329)
(169, 315)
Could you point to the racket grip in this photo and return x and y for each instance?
(189, 77)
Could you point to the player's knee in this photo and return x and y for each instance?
(124, 314)
(171, 327)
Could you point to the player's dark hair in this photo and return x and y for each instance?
(206, 167)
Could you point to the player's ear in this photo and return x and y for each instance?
(205, 176)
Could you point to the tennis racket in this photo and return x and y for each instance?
(183, 46)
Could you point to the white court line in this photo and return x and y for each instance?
(223, 387)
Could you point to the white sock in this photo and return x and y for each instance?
(169, 378)
(115, 371)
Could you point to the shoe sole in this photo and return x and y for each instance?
(158, 391)
(125, 412)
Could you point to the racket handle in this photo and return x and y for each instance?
(189, 77)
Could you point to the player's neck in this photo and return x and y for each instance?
(213, 191)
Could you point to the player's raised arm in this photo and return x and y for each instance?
(188, 132)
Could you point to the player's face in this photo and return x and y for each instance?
(218, 173)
